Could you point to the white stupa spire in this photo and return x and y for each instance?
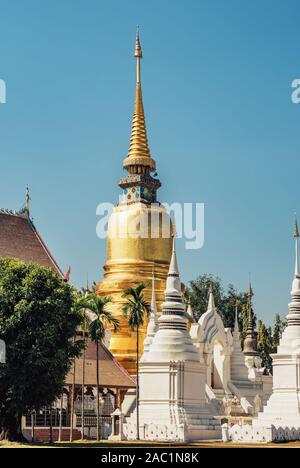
(189, 310)
(211, 300)
(153, 298)
(293, 316)
(238, 368)
(172, 341)
(236, 323)
(173, 285)
(153, 322)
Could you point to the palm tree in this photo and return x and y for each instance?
(97, 327)
(135, 310)
(80, 304)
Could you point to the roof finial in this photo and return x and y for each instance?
(27, 198)
(211, 299)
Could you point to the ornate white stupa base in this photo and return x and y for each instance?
(172, 404)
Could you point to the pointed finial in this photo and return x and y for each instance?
(296, 237)
(138, 49)
(153, 297)
(139, 156)
(189, 309)
(296, 230)
(236, 324)
(189, 299)
(250, 293)
(173, 268)
(27, 198)
(211, 300)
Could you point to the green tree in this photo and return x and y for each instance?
(279, 327)
(135, 310)
(225, 300)
(97, 328)
(37, 323)
(265, 344)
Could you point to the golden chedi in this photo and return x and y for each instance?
(139, 233)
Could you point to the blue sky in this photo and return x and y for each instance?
(217, 83)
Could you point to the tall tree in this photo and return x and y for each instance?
(103, 318)
(279, 327)
(37, 323)
(225, 300)
(265, 344)
(136, 309)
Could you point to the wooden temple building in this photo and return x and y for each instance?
(20, 239)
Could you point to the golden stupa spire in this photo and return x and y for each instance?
(250, 292)
(296, 230)
(138, 158)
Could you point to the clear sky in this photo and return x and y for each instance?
(217, 83)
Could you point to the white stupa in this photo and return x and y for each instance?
(238, 368)
(172, 378)
(283, 409)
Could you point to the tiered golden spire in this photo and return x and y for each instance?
(139, 158)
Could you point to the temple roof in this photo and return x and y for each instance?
(111, 373)
(20, 239)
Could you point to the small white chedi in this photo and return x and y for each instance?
(172, 376)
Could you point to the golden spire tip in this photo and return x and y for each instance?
(250, 291)
(138, 49)
(296, 230)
